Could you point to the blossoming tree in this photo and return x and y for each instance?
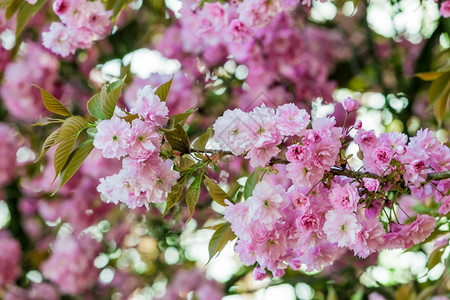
(302, 143)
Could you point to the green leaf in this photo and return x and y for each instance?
(113, 94)
(429, 76)
(440, 106)
(252, 180)
(130, 117)
(116, 6)
(331, 295)
(438, 88)
(94, 107)
(200, 142)
(163, 90)
(216, 191)
(186, 162)
(4, 3)
(49, 142)
(435, 257)
(174, 196)
(103, 104)
(26, 12)
(181, 118)
(427, 292)
(12, 7)
(405, 291)
(67, 137)
(193, 193)
(49, 121)
(53, 104)
(75, 160)
(220, 238)
(178, 139)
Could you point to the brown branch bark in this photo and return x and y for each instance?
(334, 170)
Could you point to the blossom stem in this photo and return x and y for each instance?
(334, 170)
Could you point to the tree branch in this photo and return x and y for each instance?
(335, 170)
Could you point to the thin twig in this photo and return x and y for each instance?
(334, 170)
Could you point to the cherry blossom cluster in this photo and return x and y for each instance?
(324, 209)
(192, 281)
(21, 99)
(144, 177)
(8, 149)
(82, 23)
(71, 265)
(9, 258)
(445, 9)
(263, 36)
(259, 132)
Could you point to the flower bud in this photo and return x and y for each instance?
(279, 273)
(350, 104)
(400, 150)
(371, 184)
(259, 274)
(358, 125)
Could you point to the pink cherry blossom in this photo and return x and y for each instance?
(9, 259)
(149, 107)
(444, 209)
(445, 9)
(369, 239)
(344, 198)
(350, 104)
(291, 120)
(143, 140)
(265, 203)
(371, 184)
(341, 228)
(112, 137)
(8, 148)
(71, 264)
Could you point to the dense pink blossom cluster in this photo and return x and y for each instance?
(390, 153)
(82, 23)
(37, 291)
(194, 281)
(320, 213)
(8, 149)
(445, 9)
(144, 177)
(71, 264)
(183, 93)
(10, 253)
(283, 60)
(259, 132)
(21, 99)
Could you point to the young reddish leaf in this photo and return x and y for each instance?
(53, 104)
(439, 88)
(220, 238)
(26, 12)
(103, 104)
(216, 191)
(181, 118)
(174, 196)
(193, 193)
(74, 162)
(252, 180)
(12, 7)
(200, 142)
(178, 139)
(49, 142)
(163, 90)
(67, 136)
(429, 76)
